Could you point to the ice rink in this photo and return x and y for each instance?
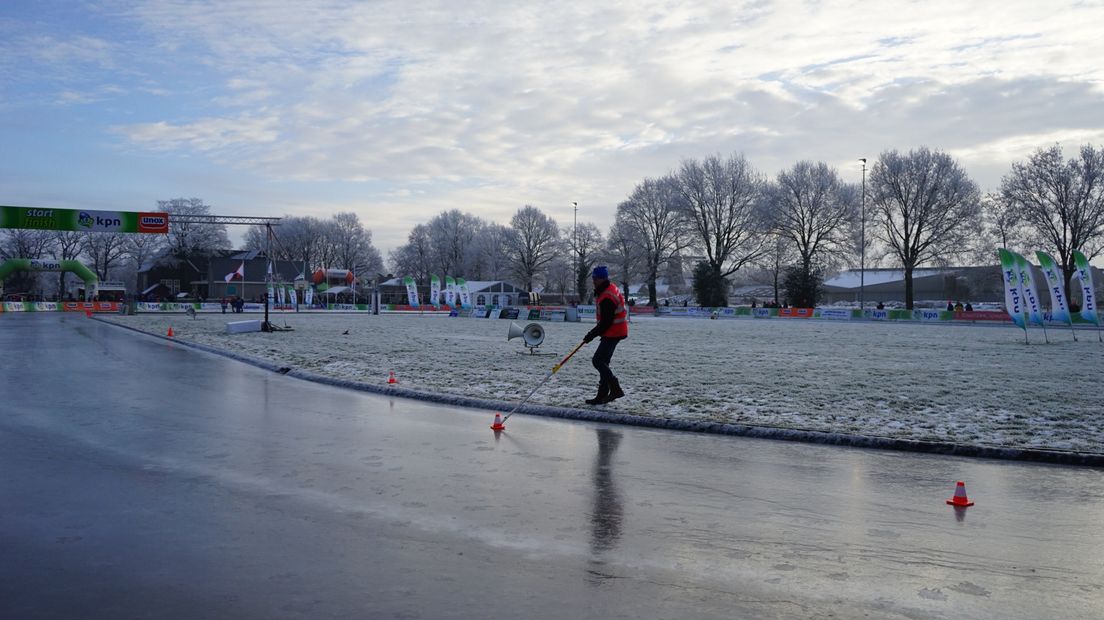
(978, 385)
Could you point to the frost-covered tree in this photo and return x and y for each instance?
(812, 208)
(190, 238)
(655, 213)
(925, 208)
(586, 244)
(67, 246)
(414, 257)
(533, 243)
(1061, 202)
(724, 203)
(104, 251)
(453, 237)
(623, 254)
(492, 252)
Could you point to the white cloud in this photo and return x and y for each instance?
(487, 105)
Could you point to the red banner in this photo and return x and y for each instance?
(94, 306)
(795, 313)
(153, 223)
(642, 310)
(982, 315)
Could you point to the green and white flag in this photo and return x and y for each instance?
(450, 291)
(462, 291)
(1083, 273)
(1027, 287)
(435, 290)
(1013, 299)
(1056, 284)
(411, 291)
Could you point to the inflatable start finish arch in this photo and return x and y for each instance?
(34, 264)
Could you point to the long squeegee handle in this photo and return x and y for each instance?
(557, 367)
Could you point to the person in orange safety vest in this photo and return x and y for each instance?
(612, 328)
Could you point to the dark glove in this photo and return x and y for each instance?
(590, 336)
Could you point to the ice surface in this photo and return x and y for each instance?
(950, 383)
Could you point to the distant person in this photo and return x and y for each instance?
(969, 307)
(880, 306)
(752, 303)
(612, 328)
(222, 302)
(958, 306)
(950, 306)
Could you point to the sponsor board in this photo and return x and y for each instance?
(795, 313)
(931, 315)
(83, 220)
(94, 306)
(835, 314)
(761, 313)
(642, 310)
(876, 315)
(983, 315)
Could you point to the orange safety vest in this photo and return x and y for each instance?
(620, 326)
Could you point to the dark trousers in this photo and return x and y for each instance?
(602, 357)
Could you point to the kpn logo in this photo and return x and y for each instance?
(85, 219)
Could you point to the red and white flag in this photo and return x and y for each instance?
(237, 273)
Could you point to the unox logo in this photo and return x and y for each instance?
(85, 219)
(153, 222)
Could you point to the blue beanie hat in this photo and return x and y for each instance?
(601, 271)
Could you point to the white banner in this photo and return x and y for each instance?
(308, 296)
(838, 314)
(434, 290)
(411, 291)
(450, 290)
(462, 290)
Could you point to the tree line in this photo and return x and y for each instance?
(342, 240)
(921, 208)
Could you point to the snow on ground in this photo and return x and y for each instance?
(976, 385)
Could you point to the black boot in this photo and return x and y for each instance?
(602, 397)
(614, 390)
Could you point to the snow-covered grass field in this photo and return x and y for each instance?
(964, 384)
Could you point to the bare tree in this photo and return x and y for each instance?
(926, 207)
(352, 245)
(656, 215)
(67, 246)
(724, 202)
(779, 254)
(492, 251)
(623, 252)
(533, 243)
(1061, 202)
(414, 257)
(813, 209)
(560, 276)
(452, 241)
(104, 250)
(140, 249)
(188, 239)
(586, 244)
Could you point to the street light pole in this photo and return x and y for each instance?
(575, 249)
(862, 240)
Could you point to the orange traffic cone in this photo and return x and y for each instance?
(170, 334)
(498, 425)
(960, 500)
(391, 380)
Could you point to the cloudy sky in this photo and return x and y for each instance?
(397, 110)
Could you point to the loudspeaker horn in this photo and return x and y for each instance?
(532, 334)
